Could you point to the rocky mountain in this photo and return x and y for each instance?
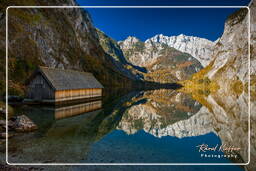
(162, 63)
(60, 38)
(228, 96)
(37, 37)
(231, 51)
(230, 65)
(199, 48)
(231, 70)
(111, 47)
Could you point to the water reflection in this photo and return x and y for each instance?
(68, 111)
(146, 126)
(228, 112)
(157, 109)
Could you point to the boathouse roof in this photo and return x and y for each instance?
(61, 79)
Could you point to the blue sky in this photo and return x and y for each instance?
(145, 23)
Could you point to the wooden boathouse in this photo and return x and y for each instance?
(53, 85)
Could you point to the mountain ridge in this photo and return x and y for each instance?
(199, 48)
(162, 63)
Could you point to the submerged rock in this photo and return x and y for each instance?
(24, 124)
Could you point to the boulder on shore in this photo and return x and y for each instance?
(24, 124)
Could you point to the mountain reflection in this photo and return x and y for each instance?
(228, 112)
(80, 132)
(168, 113)
(157, 111)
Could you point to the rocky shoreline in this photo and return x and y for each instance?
(16, 125)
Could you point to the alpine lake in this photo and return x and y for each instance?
(155, 126)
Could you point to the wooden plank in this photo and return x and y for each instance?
(79, 93)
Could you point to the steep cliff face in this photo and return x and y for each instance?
(59, 38)
(163, 63)
(230, 66)
(229, 70)
(231, 51)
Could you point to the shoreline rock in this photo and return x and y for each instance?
(17, 124)
(24, 124)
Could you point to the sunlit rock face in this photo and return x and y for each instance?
(161, 113)
(229, 104)
(163, 63)
(199, 48)
(231, 66)
(231, 51)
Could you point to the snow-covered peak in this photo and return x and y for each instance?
(128, 42)
(132, 39)
(199, 48)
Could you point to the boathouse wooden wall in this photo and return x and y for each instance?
(77, 94)
(39, 89)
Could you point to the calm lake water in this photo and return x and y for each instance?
(156, 126)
